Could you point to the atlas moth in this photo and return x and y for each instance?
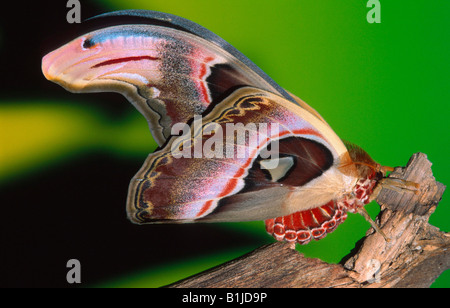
(173, 70)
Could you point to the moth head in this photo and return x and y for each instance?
(357, 163)
(99, 61)
(362, 166)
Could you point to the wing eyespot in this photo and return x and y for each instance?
(88, 43)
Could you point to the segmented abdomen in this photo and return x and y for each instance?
(303, 226)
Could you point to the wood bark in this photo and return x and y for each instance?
(415, 255)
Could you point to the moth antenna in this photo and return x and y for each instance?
(366, 215)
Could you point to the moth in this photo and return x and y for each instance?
(281, 162)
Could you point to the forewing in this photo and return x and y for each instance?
(169, 68)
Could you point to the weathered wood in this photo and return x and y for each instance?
(271, 266)
(415, 255)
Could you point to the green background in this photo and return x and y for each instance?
(384, 87)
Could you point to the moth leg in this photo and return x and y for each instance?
(400, 185)
(397, 184)
(385, 169)
(377, 228)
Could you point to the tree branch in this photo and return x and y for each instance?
(416, 254)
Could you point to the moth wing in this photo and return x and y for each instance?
(168, 67)
(176, 186)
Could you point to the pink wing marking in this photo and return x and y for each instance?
(125, 59)
(200, 71)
